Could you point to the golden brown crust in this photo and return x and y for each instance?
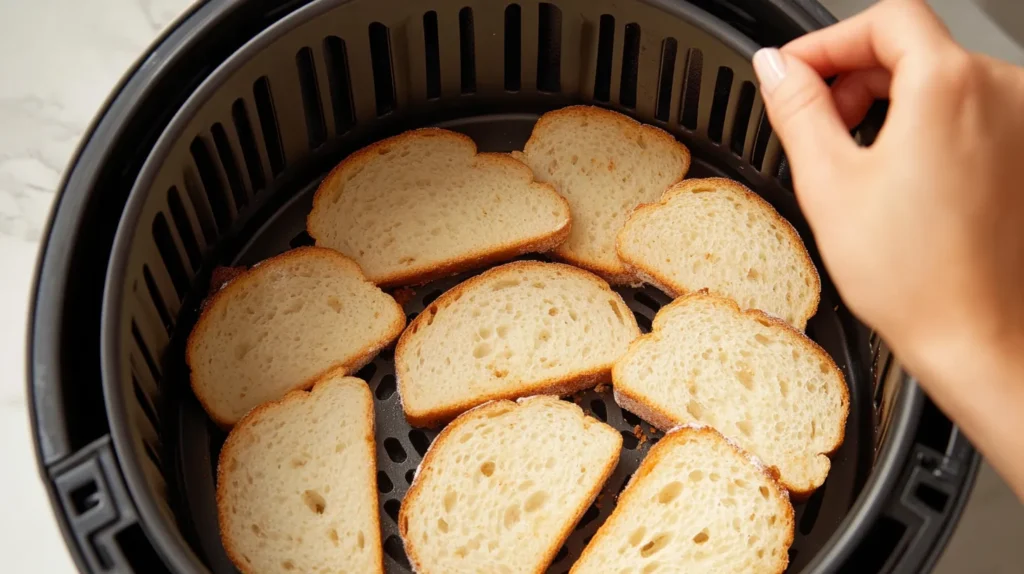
(651, 273)
(620, 275)
(242, 281)
(650, 412)
(479, 411)
(227, 451)
(468, 261)
(560, 386)
(658, 452)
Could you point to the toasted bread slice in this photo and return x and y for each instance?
(698, 503)
(757, 380)
(425, 204)
(297, 483)
(520, 329)
(605, 164)
(503, 485)
(281, 325)
(718, 235)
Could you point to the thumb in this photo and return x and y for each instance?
(802, 113)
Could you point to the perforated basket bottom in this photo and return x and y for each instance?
(400, 448)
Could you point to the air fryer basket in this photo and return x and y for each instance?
(209, 153)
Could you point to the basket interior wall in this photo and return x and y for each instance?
(231, 184)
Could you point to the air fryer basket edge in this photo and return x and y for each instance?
(39, 384)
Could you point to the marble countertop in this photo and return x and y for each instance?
(59, 59)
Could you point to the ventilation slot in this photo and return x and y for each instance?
(513, 47)
(315, 127)
(629, 440)
(662, 108)
(392, 508)
(385, 388)
(393, 548)
(744, 105)
(384, 483)
(689, 106)
(147, 407)
(268, 124)
(603, 69)
(549, 49)
(227, 160)
(643, 322)
(158, 300)
(147, 357)
(169, 254)
(184, 227)
(395, 450)
(812, 509)
(589, 516)
(631, 419)
(410, 475)
(432, 55)
(719, 103)
(383, 75)
(630, 66)
(764, 134)
(340, 84)
(201, 205)
(367, 372)
(420, 441)
(247, 141)
(211, 183)
(467, 51)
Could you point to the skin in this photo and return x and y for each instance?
(923, 231)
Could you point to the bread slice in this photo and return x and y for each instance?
(425, 204)
(718, 235)
(605, 164)
(297, 483)
(754, 378)
(502, 487)
(520, 329)
(281, 325)
(698, 503)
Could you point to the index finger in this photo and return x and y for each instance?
(879, 37)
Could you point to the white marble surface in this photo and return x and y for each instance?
(58, 61)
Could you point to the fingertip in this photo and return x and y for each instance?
(770, 68)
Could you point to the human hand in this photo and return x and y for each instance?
(923, 231)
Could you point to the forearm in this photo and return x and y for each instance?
(981, 387)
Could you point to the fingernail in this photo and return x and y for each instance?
(770, 68)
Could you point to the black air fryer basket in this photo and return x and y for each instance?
(209, 152)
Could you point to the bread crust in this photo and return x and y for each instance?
(470, 260)
(243, 427)
(483, 411)
(243, 281)
(620, 275)
(658, 452)
(649, 411)
(555, 386)
(654, 275)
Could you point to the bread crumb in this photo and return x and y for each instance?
(222, 275)
(403, 295)
(602, 388)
